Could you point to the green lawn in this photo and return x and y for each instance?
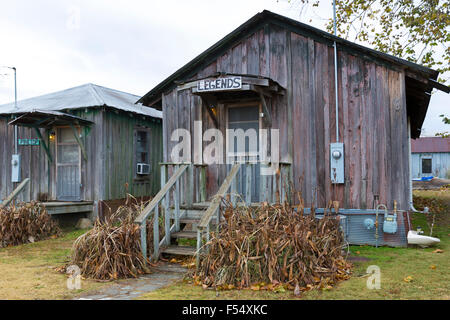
(28, 271)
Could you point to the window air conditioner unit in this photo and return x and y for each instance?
(143, 168)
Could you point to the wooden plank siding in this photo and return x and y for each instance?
(109, 145)
(372, 116)
(33, 161)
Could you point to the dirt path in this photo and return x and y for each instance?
(163, 275)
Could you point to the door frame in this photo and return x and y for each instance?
(234, 105)
(78, 128)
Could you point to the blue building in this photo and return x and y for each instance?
(430, 157)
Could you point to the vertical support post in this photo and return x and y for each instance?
(263, 184)
(234, 190)
(202, 184)
(274, 187)
(248, 183)
(218, 219)
(199, 244)
(144, 239)
(176, 198)
(287, 180)
(190, 186)
(156, 234)
(282, 183)
(166, 205)
(207, 236)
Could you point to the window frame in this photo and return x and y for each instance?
(427, 157)
(135, 153)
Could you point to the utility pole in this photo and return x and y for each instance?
(15, 161)
(15, 107)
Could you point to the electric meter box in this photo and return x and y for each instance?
(15, 168)
(337, 162)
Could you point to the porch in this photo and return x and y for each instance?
(186, 212)
(59, 207)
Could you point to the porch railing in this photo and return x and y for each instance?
(181, 194)
(14, 194)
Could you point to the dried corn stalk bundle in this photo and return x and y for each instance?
(112, 249)
(276, 245)
(27, 222)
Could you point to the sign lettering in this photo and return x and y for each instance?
(28, 142)
(219, 84)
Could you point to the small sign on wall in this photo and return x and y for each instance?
(29, 142)
(219, 84)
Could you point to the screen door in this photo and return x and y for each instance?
(67, 166)
(247, 119)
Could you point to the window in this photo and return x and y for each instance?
(142, 147)
(426, 166)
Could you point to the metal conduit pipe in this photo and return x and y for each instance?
(335, 74)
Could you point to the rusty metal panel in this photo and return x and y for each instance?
(430, 144)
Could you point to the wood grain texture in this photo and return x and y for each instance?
(372, 117)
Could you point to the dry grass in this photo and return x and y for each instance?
(272, 246)
(111, 249)
(26, 222)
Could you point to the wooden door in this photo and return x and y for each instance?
(246, 118)
(68, 184)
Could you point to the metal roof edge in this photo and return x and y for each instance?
(266, 17)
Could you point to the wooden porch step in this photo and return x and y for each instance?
(185, 234)
(195, 206)
(179, 250)
(188, 220)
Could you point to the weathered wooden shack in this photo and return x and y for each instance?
(82, 148)
(284, 73)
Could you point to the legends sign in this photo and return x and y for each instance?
(219, 84)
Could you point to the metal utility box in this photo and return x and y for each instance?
(15, 168)
(337, 162)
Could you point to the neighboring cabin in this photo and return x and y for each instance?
(431, 157)
(114, 135)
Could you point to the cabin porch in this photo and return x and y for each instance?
(66, 207)
(188, 213)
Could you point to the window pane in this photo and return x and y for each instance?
(65, 135)
(142, 146)
(426, 166)
(243, 114)
(68, 154)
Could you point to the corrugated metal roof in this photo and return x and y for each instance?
(430, 144)
(84, 96)
(47, 119)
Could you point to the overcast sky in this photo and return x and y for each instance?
(128, 45)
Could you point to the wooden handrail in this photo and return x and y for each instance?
(13, 194)
(160, 195)
(215, 203)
